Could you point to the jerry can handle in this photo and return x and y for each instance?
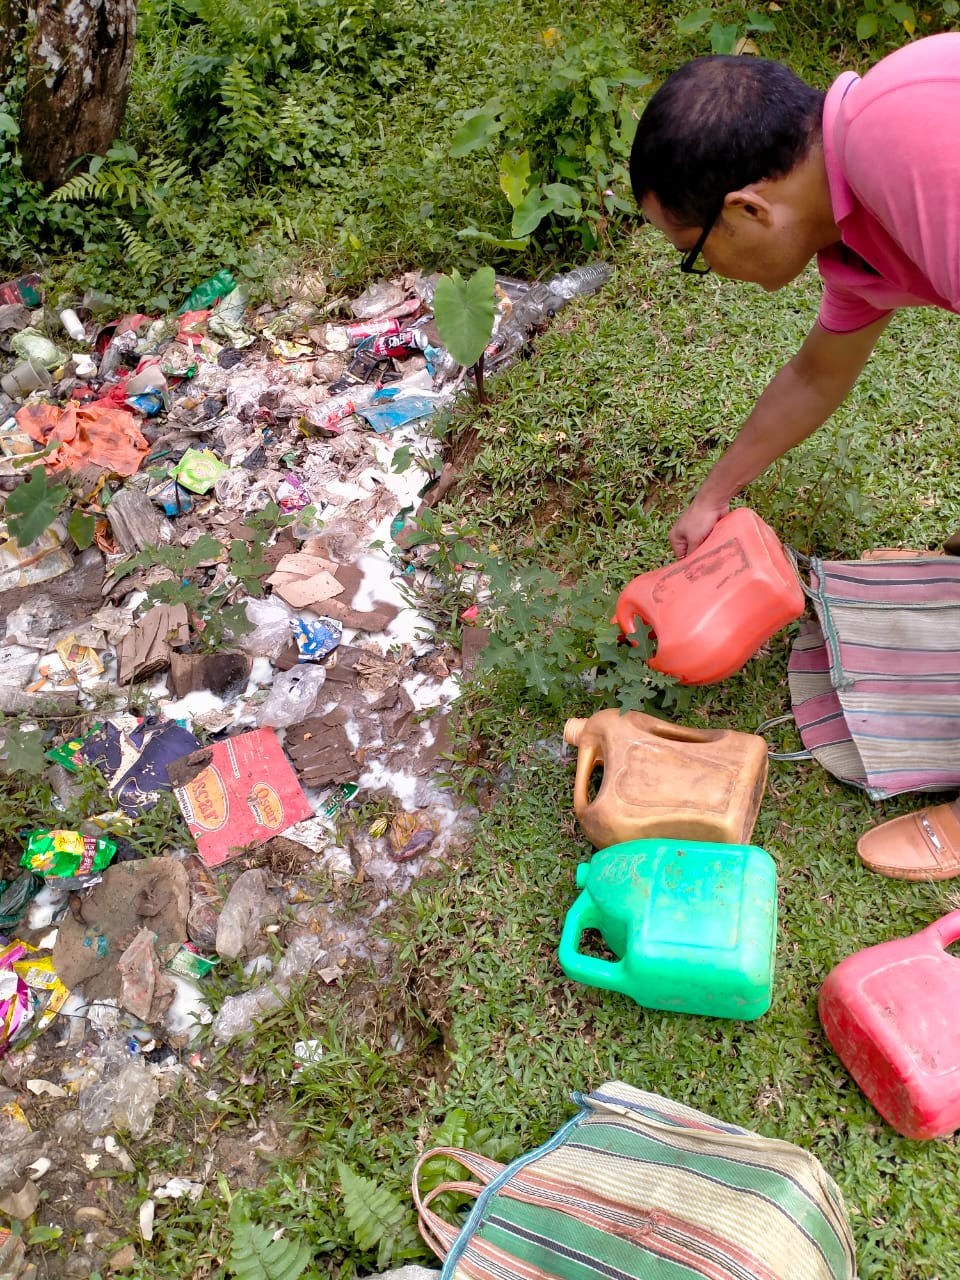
(588, 756)
(591, 970)
(947, 928)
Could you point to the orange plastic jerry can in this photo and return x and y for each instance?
(711, 611)
(663, 779)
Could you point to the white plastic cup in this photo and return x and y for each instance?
(27, 376)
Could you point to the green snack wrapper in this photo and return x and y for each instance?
(66, 753)
(65, 854)
(198, 470)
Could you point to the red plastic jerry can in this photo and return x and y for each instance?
(711, 611)
(890, 1013)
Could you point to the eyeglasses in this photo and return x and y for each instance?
(688, 263)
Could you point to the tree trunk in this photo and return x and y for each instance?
(77, 83)
(13, 14)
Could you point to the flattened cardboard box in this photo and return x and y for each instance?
(246, 794)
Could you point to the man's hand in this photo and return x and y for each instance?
(800, 397)
(695, 524)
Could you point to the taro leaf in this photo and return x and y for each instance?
(475, 133)
(473, 233)
(531, 212)
(723, 39)
(514, 173)
(80, 527)
(33, 506)
(567, 198)
(463, 311)
(23, 751)
(692, 22)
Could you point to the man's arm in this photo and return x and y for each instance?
(796, 401)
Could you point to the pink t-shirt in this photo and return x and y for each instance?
(891, 145)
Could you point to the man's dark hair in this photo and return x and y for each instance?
(716, 125)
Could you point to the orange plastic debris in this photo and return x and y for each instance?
(97, 433)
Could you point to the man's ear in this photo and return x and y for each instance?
(748, 203)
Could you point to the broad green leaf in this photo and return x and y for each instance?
(723, 39)
(567, 198)
(903, 14)
(463, 311)
(514, 173)
(23, 751)
(866, 26)
(951, 8)
(81, 528)
(634, 79)
(33, 506)
(694, 22)
(8, 124)
(531, 212)
(600, 89)
(760, 21)
(474, 233)
(474, 134)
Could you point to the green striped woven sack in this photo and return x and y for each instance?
(636, 1187)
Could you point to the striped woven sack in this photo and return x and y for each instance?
(636, 1187)
(875, 680)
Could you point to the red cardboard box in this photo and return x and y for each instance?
(246, 795)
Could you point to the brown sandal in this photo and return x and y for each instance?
(919, 846)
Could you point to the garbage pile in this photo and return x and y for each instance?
(219, 615)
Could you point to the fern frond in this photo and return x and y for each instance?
(372, 1212)
(259, 1254)
(147, 258)
(81, 186)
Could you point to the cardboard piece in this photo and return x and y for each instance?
(221, 673)
(361, 620)
(147, 647)
(246, 794)
(304, 580)
(321, 752)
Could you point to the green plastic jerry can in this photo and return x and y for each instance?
(693, 926)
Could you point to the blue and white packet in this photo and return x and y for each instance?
(398, 412)
(316, 638)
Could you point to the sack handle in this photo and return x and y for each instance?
(798, 559)
(803, 754)
(436, 1231)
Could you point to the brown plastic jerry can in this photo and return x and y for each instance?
(663, 779)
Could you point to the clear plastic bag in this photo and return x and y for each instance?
(270, 618)
(293, 696)
(122, 1097)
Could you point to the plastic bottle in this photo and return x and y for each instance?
(293, 696)
(248, 908)
(237, 1013)
(581, 281)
